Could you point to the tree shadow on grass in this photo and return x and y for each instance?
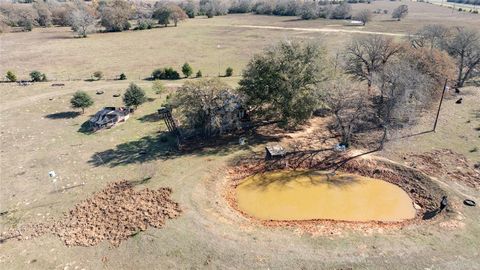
(153, 117)
(163, 147)
(476, 113)
(263, 181)
(86, 128)
(139, 151)
(63, 115)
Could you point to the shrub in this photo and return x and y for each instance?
(212, 8)
(400, 12)
(364, 16)
(240, 6)
(134, 96)
(98, 75)
(158, 87)
(308, 11)
(162, 15)
(190, 8)
(171, 74)
(199, 74)
(28, 26)
(44, 14)
(340, 12)
(229, 72)
(81, 100)
(122, 76)
(263, 7)
(61, 14)
(165, 74)
(37, 76)
(157, 74)
(144, 24)
(11, 76)
(187, 70)
(286, 8)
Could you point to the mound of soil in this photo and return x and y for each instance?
(444, 163)
(113, 214)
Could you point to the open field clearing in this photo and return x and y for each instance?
(210, 45)
(126, 198)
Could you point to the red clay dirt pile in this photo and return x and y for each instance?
(113, 214)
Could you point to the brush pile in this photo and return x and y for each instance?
(444, 163)
(113, 214)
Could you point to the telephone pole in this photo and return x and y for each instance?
(440, 105)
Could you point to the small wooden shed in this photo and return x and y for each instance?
(274, 151)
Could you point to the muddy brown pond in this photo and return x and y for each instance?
(307, 195)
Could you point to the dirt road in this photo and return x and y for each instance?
(326, 30)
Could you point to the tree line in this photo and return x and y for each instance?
(117, 15)
(84, 18)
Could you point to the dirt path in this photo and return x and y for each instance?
(325, 30)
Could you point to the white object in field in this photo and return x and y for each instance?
(53, 175)
(340, 148)
(356, 22)
(242, 141)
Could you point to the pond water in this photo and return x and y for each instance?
(306, 195)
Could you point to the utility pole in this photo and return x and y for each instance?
(440, 105)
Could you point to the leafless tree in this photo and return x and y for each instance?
(3, 23)
(82, 20)
(432, 35)
(368, 55)
(44, 14)
(19, 15)
(364, 16)
(464, 46)
(177, 14)
(404, 92)
(205, 106)
(349, 106)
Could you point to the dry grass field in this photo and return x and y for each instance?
(207, 44)
(40, 132)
